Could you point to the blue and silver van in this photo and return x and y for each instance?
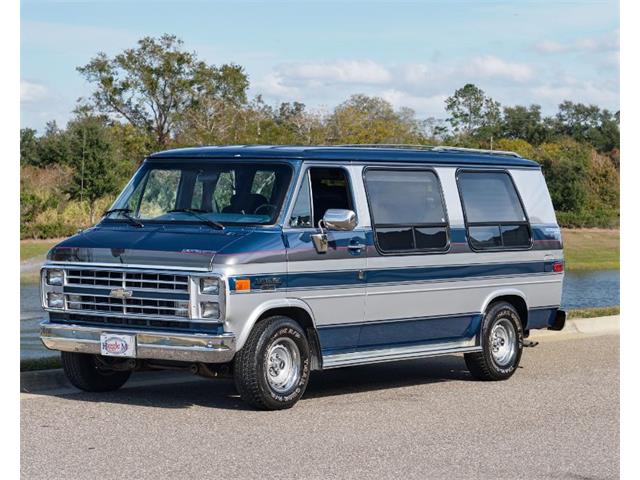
(268, 262)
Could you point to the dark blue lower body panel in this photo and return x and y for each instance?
(394, 333)
(541, 317)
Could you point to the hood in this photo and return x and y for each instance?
(184, 246)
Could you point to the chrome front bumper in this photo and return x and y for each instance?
(149, 344)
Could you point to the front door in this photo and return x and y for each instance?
(332, 283)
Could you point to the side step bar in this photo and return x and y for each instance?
(399, 353)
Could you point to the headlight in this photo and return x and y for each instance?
(209, 286)
(55, 300)
(210, 310)
(55, 277)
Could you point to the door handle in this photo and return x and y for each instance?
(356, 248)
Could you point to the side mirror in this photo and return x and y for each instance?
(334, 219)
(338, 219)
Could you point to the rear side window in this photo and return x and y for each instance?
(407, 210)
(493, 211)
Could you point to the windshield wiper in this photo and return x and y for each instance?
(126, 213)
(197, 213)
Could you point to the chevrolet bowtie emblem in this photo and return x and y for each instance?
(120, 293)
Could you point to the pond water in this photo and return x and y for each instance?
(600, 288)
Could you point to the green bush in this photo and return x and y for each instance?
(589, 219)
(46, 230)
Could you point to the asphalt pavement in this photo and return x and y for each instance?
(557, 418)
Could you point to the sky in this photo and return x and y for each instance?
(411, 53)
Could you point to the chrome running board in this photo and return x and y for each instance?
(398, 353)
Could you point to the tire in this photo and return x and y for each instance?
(85, 372)
(502, 340)
(271, 370)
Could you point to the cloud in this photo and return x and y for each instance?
(31, 92)
(363, 72)
(605, 43)
(489, 66)
(398, 99)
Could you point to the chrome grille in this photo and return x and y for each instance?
(127, 306)
(142, 293)
(167, 282)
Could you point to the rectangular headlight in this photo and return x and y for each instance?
(55, 300)
(210, 309)
(209, 286)
(55, 277)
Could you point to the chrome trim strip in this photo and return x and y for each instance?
(118, 266)
(398, 353)
(149, 345)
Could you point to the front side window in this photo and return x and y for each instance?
(494, 214)
(302, 215)
(217, 192)
(322, 188)
(407, 210)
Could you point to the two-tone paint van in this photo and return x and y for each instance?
(269, 262)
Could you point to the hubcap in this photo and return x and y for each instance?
(503, 342)
(283, 365)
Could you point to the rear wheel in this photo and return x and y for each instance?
(88, 373)
(271, 371)
(502, 340)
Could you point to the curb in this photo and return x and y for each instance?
(54, 381)
(609, 325)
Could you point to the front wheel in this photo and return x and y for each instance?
(88, 373)
(502, 340)
(271, 371)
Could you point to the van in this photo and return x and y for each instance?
(269, 262)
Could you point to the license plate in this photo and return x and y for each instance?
(117, 345)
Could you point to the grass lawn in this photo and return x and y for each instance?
(35, 248)
(591, 248)
(594, 312)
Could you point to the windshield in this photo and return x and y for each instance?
(223, 193)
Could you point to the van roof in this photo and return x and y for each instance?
(436, 155)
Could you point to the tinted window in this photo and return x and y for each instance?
(329, 189)
(485, 237)
(395, 238)
(494, 215)
(301, 215)
(239, 193)
(490, 197)
(404, 197)
(407, 210)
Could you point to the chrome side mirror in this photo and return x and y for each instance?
(333, 219)
(338, 219)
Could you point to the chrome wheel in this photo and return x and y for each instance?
(503, 342)
(283, 365)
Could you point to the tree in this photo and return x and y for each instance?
(53, 146)
(363, 119)
(154, 84)
(29, 147)
(472, 113)
(525, 123)
(91, 157)
(565, 165)
(588, 123)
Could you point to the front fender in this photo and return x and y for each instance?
(243, 333)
